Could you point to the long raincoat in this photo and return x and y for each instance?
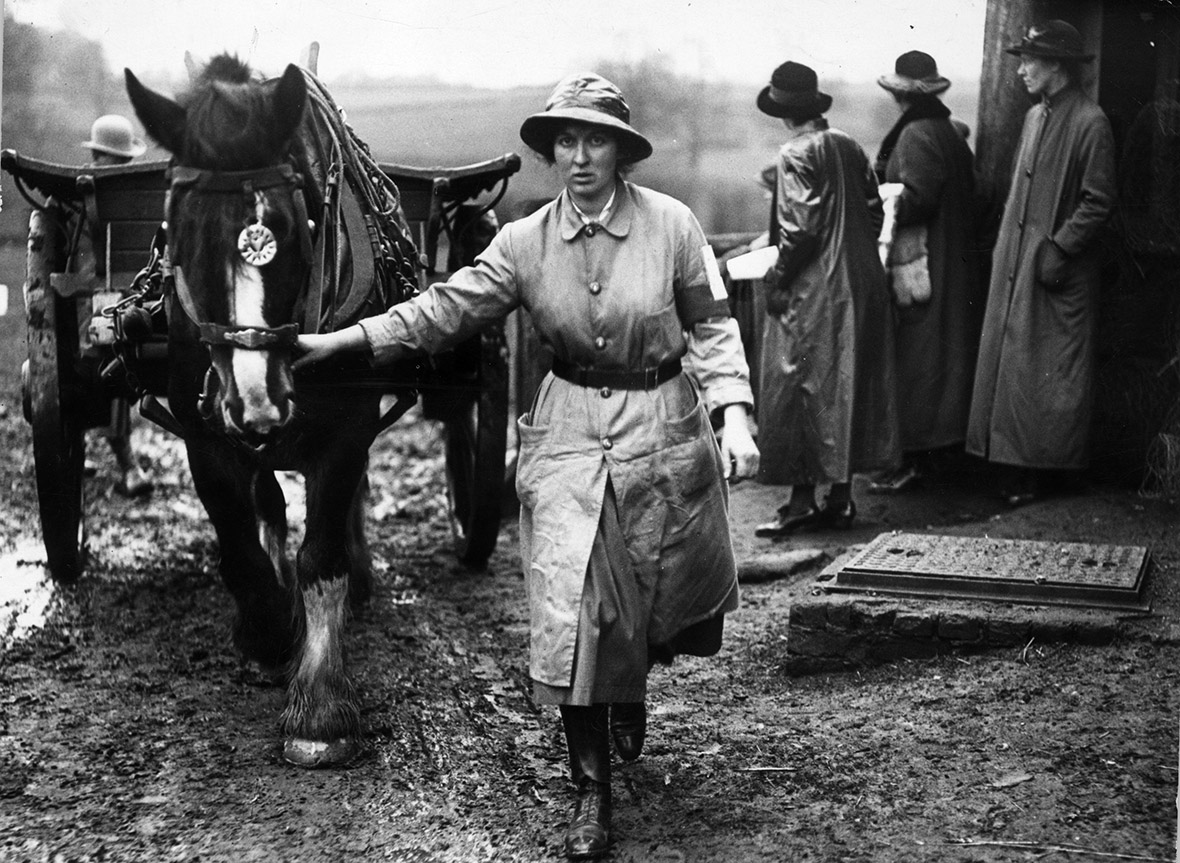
(827, 406)
(1033, 383)
(617, 296)
(937, 342)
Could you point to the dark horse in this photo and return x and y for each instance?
(248, 219)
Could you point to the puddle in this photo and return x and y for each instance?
(26, 591)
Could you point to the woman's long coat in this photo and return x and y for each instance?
(618, 296)
(827, 406)
(937, 342)
(1033, 383)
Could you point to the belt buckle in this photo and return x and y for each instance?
(651, 378)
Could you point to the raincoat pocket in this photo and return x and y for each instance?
(528, 467)
(692, 449)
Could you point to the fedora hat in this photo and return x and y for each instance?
(914, 73)
(793, 89)
(112, 133)
(1052, 40)
(585, 97)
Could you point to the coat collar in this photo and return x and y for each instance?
(1061, 97)
(618, 220)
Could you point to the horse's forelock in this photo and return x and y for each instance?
(228, 69)
(227, 126)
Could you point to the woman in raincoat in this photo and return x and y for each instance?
(624, 506)
(827, 403)
(1033, 395)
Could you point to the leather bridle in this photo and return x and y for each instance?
(247, 184)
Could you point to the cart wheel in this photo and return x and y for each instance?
(58, 442)
(476, 439)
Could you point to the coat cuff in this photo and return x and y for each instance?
(382, 336)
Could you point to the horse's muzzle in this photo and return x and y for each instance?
(252, 405)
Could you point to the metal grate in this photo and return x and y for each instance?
(1007, 570)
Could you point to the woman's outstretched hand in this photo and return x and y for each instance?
(738, 450)
(316, 347)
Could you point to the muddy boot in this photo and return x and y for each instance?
(628, 726)
(588, 835)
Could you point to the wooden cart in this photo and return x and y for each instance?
(96, 333)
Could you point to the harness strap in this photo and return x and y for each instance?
(248, 338)
(234, 182)
(184, 295)
(363, 266)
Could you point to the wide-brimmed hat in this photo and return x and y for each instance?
(112, 133)
(914, 73)
(793, 89)
(586, 98)
(1052, 40)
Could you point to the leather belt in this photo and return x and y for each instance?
(645, 379)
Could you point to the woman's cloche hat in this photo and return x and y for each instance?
(793, 89)
(1052, 40)
(112, 133)
(914, 74)
(585, 97)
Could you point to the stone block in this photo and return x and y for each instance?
(873, 615)
(810, 642)
(808, 614)
(1007, 632)
(840, 614)
(912, 624)
(960, 628)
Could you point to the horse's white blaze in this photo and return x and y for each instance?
(249, 367)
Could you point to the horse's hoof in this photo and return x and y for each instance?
(320, 753)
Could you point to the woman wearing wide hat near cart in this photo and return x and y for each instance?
(624, 532)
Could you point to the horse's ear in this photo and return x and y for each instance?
(163, 119)
(289, 101)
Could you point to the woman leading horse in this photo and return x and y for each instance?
(624, 508)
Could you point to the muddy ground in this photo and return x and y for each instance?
(130, 730)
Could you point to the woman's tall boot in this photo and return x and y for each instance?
(588, 739)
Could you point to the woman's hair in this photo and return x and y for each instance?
(803, 115)
(915, 100)
(624, 164)
(1073, 71)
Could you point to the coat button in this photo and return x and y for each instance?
(600, 342)
(606, 443)
(604, 392)
(1020, 224)
(1028, 172)
(595, 288)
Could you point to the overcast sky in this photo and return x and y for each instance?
(502, 43)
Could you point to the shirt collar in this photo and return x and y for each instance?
(615, 217)
(603, 216)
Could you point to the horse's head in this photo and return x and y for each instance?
(238, 232)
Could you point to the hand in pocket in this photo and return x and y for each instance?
(1052, 265)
